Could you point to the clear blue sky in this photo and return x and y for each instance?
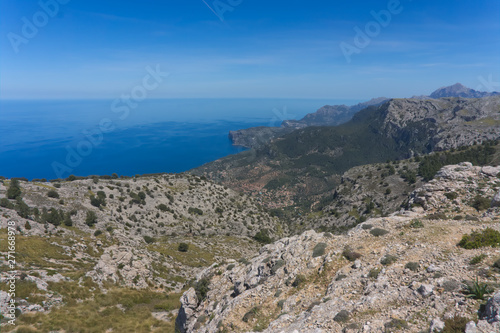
(100, 49)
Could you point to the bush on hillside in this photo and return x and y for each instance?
(487, 238)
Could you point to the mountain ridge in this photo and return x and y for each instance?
(331, 115)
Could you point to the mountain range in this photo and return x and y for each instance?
(332, 115)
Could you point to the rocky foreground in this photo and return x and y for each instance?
(112, 246)
(401, 272)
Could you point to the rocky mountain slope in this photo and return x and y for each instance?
(328, 115)
(404, 272)
(310, 161)
(97, 245)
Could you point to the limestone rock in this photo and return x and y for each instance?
(495, 202)
(437, 325)
(425, 290)
(492, 309)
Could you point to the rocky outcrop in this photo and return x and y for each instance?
(406, 271)
(455, 181)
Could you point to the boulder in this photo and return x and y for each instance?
(495, 202)
(491, 171)
(189, 302)
(437, 325)
(492, 310)
(471, 327)
(425, 290)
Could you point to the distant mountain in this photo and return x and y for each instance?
(328, 115)
(459, 90)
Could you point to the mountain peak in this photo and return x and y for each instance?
(459, 90)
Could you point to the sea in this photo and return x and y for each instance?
(56, 138)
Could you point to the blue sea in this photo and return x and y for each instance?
(55, 138)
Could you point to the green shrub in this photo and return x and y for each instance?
(497, 264)
(395, 323)
(53, 194)
(230, 267)
(91, 218)
(97, 232)
(342, 316)
(481, 203)
(277, 265)
(319, 250)
(477, 259)
(350, 255)
(244, 261)
(300, 279)
(4, 202)
(183, 247)
(378, 232)
(374, 272)
(149, 239)
(367, 226)
(67, 220)
(250, 315)
(388, 260)
(476, 240)
(455, 325)
(202, 288)
(95, 202)
(195, 211)
(162, 207)
(416, 224)
(413, 266)
(22, 208)
(263, 237)
(477, 290)
(451, 195)
(27, 225)
(14, 190)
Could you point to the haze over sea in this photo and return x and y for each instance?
(162, 135)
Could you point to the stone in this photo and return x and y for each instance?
(189, 301)
(490, 170)
(437, 325)
(471, 327)
(492, 310)
(426, 290)
(357, 264)
(433, 268)
(495, 202)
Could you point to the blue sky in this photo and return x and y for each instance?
(100, 49)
